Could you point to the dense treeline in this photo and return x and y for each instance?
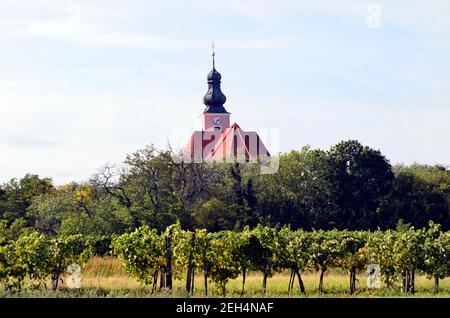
(175, 253)
(350, 186)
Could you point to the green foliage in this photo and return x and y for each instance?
(354, 252)
(408, 249)
(99, 245)
(17, 195)
(299, 193)
(182, 216)
(74, 209)
(361, 177)
(436, 252)
(50, 210)
(36, 256)
(28, 256)
(419, 194)
(325, 249)
(65, 251)
(223, 267)
(266, 259)
(14, 230)
(141, 253)
(224, 255)
(298, 249)
(380, 247)
(214, 215)
(350, 186)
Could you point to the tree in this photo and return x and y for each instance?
(266, 259)
(170, 240)
(298, 257)
(380, 251)
(354, 256)
(408, 252)
(325, 250)
(11, 232)
(141, 253)
(17, 195)
(223, 268)
(361, 178)
(299, 193)
(243, 254)
(27, 257)
(205, 255)
(251, 254)
(76, 209)
(214, 215)
(64, 251)
(419, 194)
(436, 254)
(50, 210)
(37, 257)
(155, 189)
(242, 198)
(187, 254)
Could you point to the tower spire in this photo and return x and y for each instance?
(214, 54)
(214, 98)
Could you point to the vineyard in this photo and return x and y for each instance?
(189, 261)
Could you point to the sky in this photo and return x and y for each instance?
(84, 83)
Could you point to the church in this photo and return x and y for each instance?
(220, 141)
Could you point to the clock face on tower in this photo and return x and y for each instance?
(217, 120)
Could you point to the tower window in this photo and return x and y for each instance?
(217, 128)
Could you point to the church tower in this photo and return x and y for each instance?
(215, 117)
(218, 141)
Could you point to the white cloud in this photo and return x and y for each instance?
(275, 10)
(72, 26)
(91, 35)
(423, 16)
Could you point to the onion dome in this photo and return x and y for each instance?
(214, 98)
